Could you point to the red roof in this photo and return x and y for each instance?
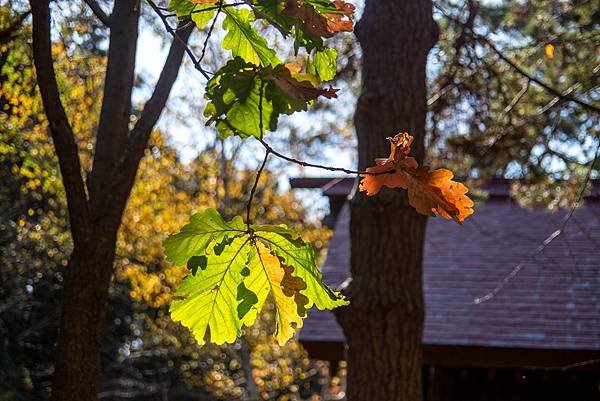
(552, 301)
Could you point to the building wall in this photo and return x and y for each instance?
(477, 384)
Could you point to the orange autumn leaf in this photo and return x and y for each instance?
(430, 192)
(324, 25)
(342, 20)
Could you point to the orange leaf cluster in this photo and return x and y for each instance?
(430, 192)
(322, 25)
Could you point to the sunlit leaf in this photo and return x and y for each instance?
(201, 12)
(209, 297)
(324, 64)
(429, 192)
(235, 272)
(195, 237)
(244, 41)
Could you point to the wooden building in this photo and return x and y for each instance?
(507, 317)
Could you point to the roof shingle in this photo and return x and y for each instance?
(552, 300)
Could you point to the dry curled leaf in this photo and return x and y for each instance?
(430, 192)
(318, 24)
(299, 90)
(340, 21)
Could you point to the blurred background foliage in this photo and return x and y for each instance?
(485, 120)
(145, 354)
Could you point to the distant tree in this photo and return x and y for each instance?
(514, 92)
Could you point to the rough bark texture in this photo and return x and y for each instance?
(77, 357)
(384, 322)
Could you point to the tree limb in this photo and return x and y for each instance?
(7, 34)
(98, 12)
(561, 95)
(113, 127)
(140, 134)
(60, 129)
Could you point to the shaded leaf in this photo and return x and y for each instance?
(295, 89)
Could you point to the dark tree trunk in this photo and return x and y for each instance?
(384, 322)
(77, 357)
(95, 214)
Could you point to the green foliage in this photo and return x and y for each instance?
(244, 98)
(244, 265)
(246, 101)
(324, 64)
(236, 266)
(244, 41)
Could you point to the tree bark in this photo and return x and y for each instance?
(383, 324)
(95, 219)
(77, 356)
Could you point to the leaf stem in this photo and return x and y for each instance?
(253, 191)
(176, 36)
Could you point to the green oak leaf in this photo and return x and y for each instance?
(235, 268)
(195, 237)
(244, 41)
(208, 299)
(240, 93)
(324, 64)
(185, 8)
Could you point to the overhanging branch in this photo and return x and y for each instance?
(8, 33)
(60, 129)
(98, 12)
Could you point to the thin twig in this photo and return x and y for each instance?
(98, 12)
(175, 35)
(548, 239)
(251, 197)
(210, 31)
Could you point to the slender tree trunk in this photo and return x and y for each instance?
(77, 357)
(384, 322)
(96, 207)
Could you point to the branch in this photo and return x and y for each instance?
(313, 165)
(179, 39)
(113, 127)
(140, 134)
(7, 34)
(561, 95)
(542, 247)
(251, 197)
(98, 12)
(60, 129)
(142, 129)
(564, 96)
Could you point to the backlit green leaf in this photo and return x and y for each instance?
(210, 296)
(244, 41)
(324, 64)
(235, 269)
(195, 237)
